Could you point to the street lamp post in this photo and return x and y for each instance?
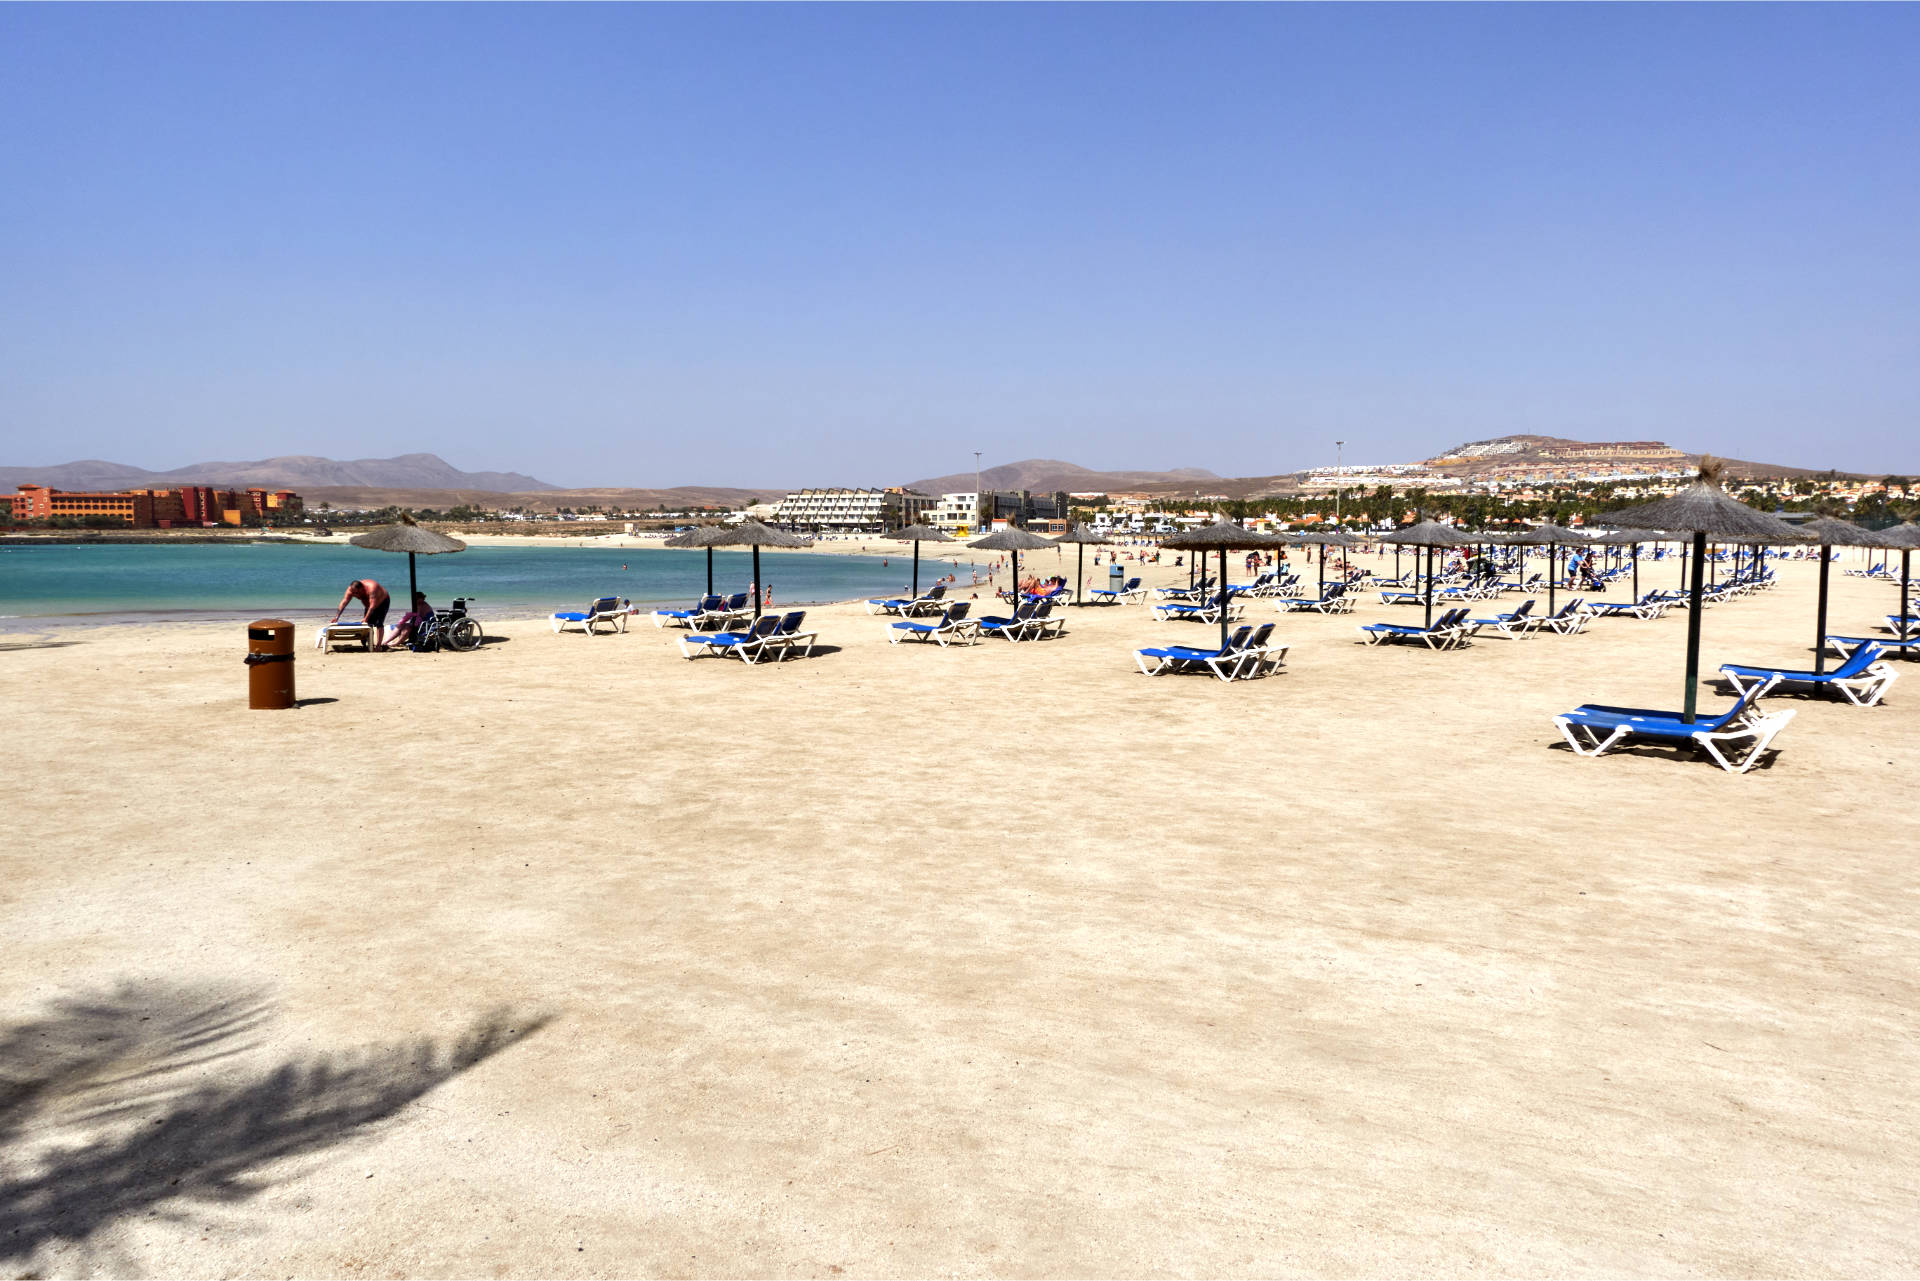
(1339, 451)
(978, 497)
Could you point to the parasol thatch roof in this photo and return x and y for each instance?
(698, 536)
(1333, 537)
(1548, 535)
(751, 533)
(1428, 533)
(407, 537)
(1623, 537)
(1013, 539)
(1083, 534)
(1829, 532)
(1704, 508)
(1902, 537)
(1222, 534)
(920, 534)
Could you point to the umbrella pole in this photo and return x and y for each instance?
(1636, 571)
(1693, 628)
(1429, 584)
(1553, 578)
(1323, 571)
(1906, 556)
(1820, 626)
(709, 571)
(1079, 571)
(413, 586)
(916, 568)
(1225, 597)
(757, 593)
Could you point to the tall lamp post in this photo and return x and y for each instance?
(978, 497)
(1339, 451)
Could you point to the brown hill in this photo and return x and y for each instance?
(546, 500)
(1043, 475)
(302, 472)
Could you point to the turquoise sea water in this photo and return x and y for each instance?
(79, 583)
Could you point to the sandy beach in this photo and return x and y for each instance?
(572, 957)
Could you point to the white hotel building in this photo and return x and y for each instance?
(852, 511)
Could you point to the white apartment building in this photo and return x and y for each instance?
(852, 511)
(956, 514)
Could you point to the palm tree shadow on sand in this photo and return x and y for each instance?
(107, 1110)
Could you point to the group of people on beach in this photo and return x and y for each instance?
(376, 601)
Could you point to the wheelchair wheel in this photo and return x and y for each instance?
(462, 635)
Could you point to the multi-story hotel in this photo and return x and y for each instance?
(191, 505)
(852, 511)
(964, 514)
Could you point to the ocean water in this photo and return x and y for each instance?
(77, 583)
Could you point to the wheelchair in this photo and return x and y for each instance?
(453, 628)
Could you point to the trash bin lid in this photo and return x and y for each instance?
(267, 625)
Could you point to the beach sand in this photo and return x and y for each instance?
(1001, 961)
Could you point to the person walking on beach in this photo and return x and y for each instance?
(374, 597)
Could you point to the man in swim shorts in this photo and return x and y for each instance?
(374, 597)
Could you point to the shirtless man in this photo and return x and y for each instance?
(374, 597)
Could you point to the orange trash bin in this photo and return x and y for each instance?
(269, 664)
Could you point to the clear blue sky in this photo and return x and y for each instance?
(801, 245)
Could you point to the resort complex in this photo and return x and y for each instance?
(200, 506)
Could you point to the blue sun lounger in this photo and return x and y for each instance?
(1845, 645)
(775, 634)
(687, 617)
(1108, 596)
(1595, 730)
(1517, 622)
(1448, 630)
(1862, 680)
(952, 625)
(907, 606)
(1651, 605)
(610, 610)
(1030, 621)
(1207, 611)
(1338, 600)
(1246, 654)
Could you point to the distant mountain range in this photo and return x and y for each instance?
(302, 472)
(1044, 475)
(427, 480)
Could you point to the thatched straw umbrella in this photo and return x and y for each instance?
(1700, 509)
(1428, 534)
(1831, 532)
(1549, 536)
(1227, 536)
(408, 537)
(1081, 536)
(1335, 537)
(751, 533)
(917, 534)
(1906, 537)
(700, 536)
(1013, 540)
